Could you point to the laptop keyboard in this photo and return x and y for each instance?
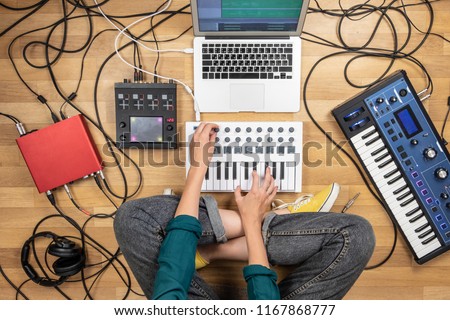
(247, 61)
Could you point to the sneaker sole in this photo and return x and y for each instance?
(331, 199)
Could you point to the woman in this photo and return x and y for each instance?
(159, 237)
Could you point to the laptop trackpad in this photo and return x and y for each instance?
(247, 97)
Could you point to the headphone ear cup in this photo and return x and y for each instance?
(66, 267)
(64, 248)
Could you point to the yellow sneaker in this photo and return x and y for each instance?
(321, 202)
(200, 262)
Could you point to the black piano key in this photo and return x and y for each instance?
(401, 189)
(368, 134)
(429, 239)
(394, 180)
(234, 170)
(207, 174)
(282, 171)
(416, 218)
(238, 150)
(389, 174)
(274, 170)
(374, 153)
(410, 213)
(426, 233)
(403, 196)
(218, 174)
(384, 164)
(421, 228)
(368, 143)
(227, 175)
(255, 166)
(404, 204)
(384, 155)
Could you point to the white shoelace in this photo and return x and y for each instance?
(296, 204)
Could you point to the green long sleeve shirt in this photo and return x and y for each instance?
(177, 265)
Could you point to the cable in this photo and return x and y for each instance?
(18, 291)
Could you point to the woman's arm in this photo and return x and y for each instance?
(177, 253)
(261, 281)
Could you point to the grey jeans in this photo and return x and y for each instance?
(327, 251)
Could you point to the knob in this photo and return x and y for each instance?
(379, 100)
(430, 153)
(122, 124)
(414, 142)
(169, 127)
(447, 205)
(403, 92)
(444, 195)
(441, 173)
(393, 99)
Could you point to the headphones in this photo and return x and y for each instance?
(71, 259)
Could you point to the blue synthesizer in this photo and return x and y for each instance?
(406, 160)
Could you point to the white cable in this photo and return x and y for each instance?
(186, 50)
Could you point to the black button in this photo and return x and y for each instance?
(400, 149)
(434, 209)
(404, 155)
(400, 135)
(122, 125)
(447, 234)
(394, 138)
(169, 127)
(393, 121)
(408, 162)
(387, 124)
(390, 131)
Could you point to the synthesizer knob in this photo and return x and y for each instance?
(379, 100)
(441, 173)
(430, 153)
(403, 92)
(444, 195)
(122, 124)
(393, 99)
(414, 142)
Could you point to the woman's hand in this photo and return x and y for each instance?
(202, 145)
(253, 206)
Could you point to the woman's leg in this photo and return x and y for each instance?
(329, 250)
(140, 228)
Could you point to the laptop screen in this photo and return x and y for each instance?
(277, 16)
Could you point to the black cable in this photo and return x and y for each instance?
(12, 118)
(36, 8)
(18, 291)
(445, 121)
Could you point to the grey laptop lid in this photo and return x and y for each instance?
(235, 18)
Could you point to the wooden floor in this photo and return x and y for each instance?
(21, 206)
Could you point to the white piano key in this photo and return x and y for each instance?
(216, 182)
(285, 181)
(244, 182)
(223, 181)
(237, 180)
(291, 173)
(277, 178)
(433, 245)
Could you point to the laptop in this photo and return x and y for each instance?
(247, 54)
